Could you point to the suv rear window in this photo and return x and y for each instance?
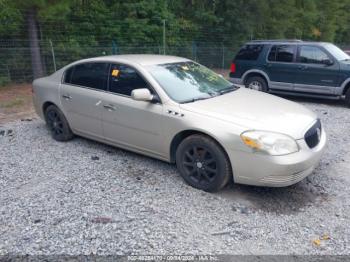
(281, 53)
(249, 52)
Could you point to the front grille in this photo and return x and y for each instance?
(313, 135)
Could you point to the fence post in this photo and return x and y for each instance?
(164, 37)
(114, 47)
(53, 56)
(194, 51)
(223, 56)
(8, 73)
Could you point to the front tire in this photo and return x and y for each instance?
(347, 97)
(256, 83)
(58, 124)
(202, 163)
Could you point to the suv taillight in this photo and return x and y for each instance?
(233, 68)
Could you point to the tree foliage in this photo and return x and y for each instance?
(140, 21)
(75, 26)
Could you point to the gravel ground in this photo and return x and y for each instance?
(83, 197)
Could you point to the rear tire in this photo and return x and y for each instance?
(203, 164)
(347, 97)
(58, 124)
(256, 83)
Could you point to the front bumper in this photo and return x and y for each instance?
(276, 171)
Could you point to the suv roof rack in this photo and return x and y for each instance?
(277, 40)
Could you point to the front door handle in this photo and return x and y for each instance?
(303, 67)
(110, 107)
(67, 97)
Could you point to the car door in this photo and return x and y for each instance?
(81, 94)
(281, 67)
(133, 124)
(317, 71)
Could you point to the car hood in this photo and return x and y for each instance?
(255, 110)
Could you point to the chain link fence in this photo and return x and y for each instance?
(16, 64)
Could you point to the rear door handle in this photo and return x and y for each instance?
(110, 107)
(67, 97)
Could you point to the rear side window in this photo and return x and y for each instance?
(124, 79)
(249, 52)
(93, 75)
(281, 53)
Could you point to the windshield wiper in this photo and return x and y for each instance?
(228, 89)
(194, 99)
(221, 92)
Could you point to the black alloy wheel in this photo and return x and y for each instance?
(57, 124)
(200, 164)
(203, 163)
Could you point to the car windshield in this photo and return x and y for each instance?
(337, 52)
(188, 81)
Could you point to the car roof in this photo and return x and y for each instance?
(285, 41)
(141, 59)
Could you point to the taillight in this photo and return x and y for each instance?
(233, 68)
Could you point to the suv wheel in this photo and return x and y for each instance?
(57, 124)
(256, 83)
(347, 97)
(202, 163)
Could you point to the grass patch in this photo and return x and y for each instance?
(4, 81)
(4, 88)
(12, 103)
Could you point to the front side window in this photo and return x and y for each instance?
(281, 53)
(189, 81)
(93, 75)
(124, 79)
(249, 52)
(312, 55)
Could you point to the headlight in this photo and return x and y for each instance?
(269, 142)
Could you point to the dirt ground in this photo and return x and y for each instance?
(16, 103)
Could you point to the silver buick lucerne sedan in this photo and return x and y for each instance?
(176, 110)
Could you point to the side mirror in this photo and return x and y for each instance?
(142, 94)
(328, 62)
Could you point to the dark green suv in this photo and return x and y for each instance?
(313, 69)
